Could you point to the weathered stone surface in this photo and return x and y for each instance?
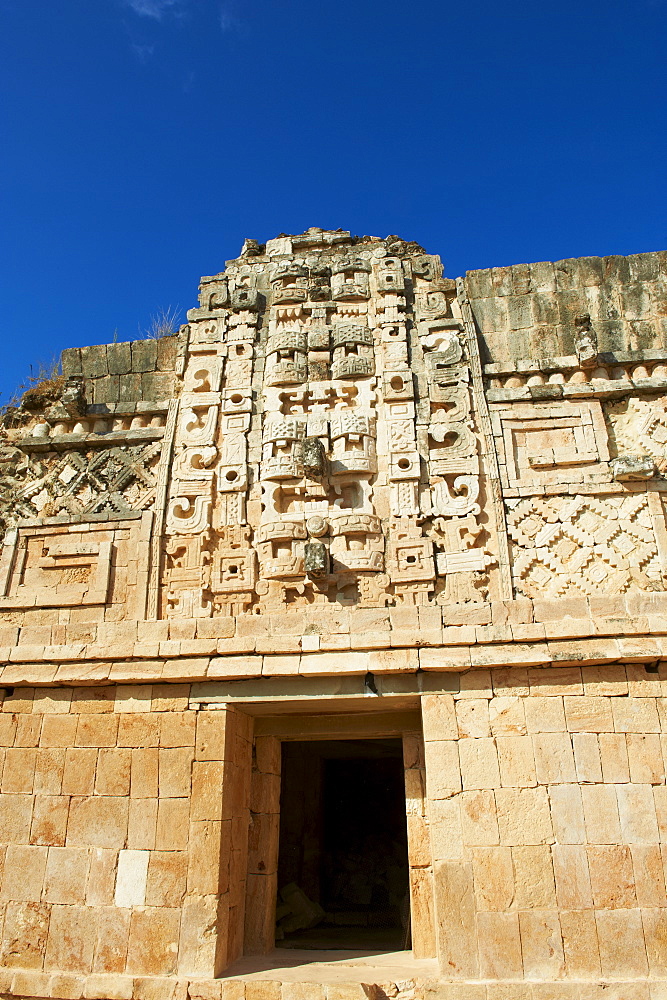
(317, 513)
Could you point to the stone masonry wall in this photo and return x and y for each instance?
(529, 310)
(348, 477)
(126, 372)
(124, 819)
(548, 813)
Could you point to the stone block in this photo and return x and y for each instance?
(567, 814)
(15, 818)
(113, 772)
(479, 824)
(144, 773)
(94, 361)
(172, 824)
(8, 726)
(167, 874)
(588, 715)
(28, 730)
(507, 716)
(635, 715)
(131, 876)
(19, 771)
(97, 822)
(153, 941)
(207, 790)
(175, 772)
(112, 987)
(512, 682)
(70, 360)
(443, 772)
(66, 875)
(475, 684)
(472, 716)
(499, 945)
(601, 814)
(119, 360)
(260, 914)
(438, 717)
(446, 829)
(71, 943)
(263, 843)
(493, 875)
(23, 873)
(541, 944)
(523, 816)
(534, 878)
(302, 991)
(636, 811)
(573, 884)
(614, 757)
(580, 943)
(654, 925)
(267, 989)
(516, 761)
(554, 760)
(140, 730)
(649, 875)
(605, 680)
(612, 876)
(143, 355)
(209, 851)
(479, 763)
(97, 730)
(142, 824)
(211, 736)
(621, 941)
(645, 758)
(268, 754)
(101, 877)
(203, 940)
(455, 919)
(587, 757)
(66, 986)
(49, 820)
(49, 768)
(450, 658)
(25, 933)
(30, 984)
(169, 697)
(264, 793)
(177, 729)
(545, 715)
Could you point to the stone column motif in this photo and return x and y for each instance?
(307, 468)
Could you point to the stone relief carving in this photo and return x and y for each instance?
(314, 473)
(331, 445)
(584, 545)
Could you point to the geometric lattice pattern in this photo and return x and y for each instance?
(583, 546)
(115, 481)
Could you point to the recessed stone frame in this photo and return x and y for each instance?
(251, 788)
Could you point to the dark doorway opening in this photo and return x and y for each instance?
(343, 878)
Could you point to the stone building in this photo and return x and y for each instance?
(397, 537)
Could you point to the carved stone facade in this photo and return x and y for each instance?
(350, 499)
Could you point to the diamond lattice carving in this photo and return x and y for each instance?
(581, 546)
(116, 481)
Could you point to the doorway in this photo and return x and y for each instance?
(343, 875)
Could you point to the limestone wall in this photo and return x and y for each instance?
(126, 372)
(530, 310)
(347, 478)
(547, 804)
(125, 818)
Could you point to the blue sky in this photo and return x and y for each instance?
(143, 140)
